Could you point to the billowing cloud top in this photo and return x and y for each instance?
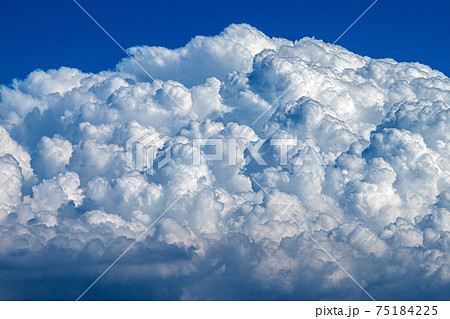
(378, 203)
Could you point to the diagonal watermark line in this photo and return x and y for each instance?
(134, 60)
(145, 71)
(314, 62)
(316, 242)
(136, 240)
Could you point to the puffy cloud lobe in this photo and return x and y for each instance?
(11, 183)
(53, 155)
(11, 147)
(379, 201)
(203, 57)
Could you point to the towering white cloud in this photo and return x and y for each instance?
(378, 199)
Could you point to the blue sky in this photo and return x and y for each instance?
(51, 33)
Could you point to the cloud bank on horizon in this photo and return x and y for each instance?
(380, 204)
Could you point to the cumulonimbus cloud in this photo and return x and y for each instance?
(69, 205)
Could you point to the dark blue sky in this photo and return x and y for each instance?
(52, 33)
